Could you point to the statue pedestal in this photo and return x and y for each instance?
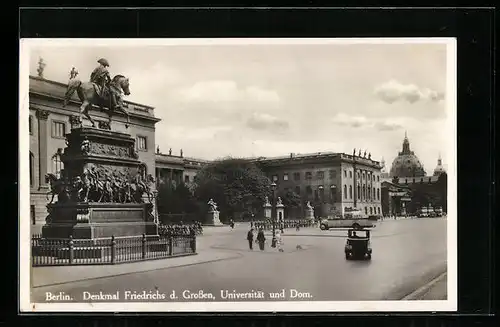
(280, 212)
(99, 193)
(213, 219)
(309, 213)
(99, 220)
(267, 211)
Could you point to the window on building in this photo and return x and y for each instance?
(32, 214)
(364, 192)
(30, 124)
(371, 211)
(57, 164)
(308, 175)
(345, 173)
(142, 143)
(333, 193)
(58, 129)
(32, 169)
(320, 174)
(366, 210)
(321, 192)
(359, 192)
(373, 194)
(350, 192)
(378, 178)
(369, 192)
(316, 195)
(296, 176)
(333, 174)
(275, 178)
(378, 209)
(378, 194)
(350, 174)
(297, 190)
(186, 179)
(143, 169)
(363, 176)
(285, 176)
(308, 190)
(345, 191)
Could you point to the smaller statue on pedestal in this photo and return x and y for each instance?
(279, 202)
(266, 201)
(213, 205)
(85, 146)
(308, 205)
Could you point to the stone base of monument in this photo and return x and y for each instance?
(213, 219)
(309, 214)
(99, 220)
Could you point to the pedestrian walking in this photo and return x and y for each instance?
(261, 239)
(250, 238)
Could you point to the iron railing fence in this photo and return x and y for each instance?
(105, 251)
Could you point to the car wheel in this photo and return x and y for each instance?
(369, 257)
(347, 256)
(323, 227)
(355, 225)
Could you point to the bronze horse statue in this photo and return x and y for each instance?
(88, 94)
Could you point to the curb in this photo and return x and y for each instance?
(417, 294)
(235, 256)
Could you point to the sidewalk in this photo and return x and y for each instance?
(45, 276)
(435, 290)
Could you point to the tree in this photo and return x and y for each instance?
(291, 199)
(237, 186)
(176, 200)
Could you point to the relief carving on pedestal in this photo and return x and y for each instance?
(109, 150)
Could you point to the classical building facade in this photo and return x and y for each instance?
(407, 188)
(331, 182)
(49, 122)
(174, 169)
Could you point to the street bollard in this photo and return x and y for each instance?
(143, 246)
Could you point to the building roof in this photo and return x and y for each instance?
(316, 157)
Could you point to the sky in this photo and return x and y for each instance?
(269, 100)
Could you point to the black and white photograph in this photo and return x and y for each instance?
(210, 175)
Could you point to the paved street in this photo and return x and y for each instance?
(407, 254)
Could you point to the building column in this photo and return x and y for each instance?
(42, 116)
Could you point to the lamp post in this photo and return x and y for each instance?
(321, 200)
(273, 214)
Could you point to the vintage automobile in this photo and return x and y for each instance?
(358, 246)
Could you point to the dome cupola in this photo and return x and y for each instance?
(406, 164)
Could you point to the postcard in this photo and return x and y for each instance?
(256, 175)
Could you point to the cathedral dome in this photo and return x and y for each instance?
(406, 164)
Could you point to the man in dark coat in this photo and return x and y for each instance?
(250, 238)
(100, 75)
(261, 239)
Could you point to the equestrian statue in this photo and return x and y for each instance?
(101, 90)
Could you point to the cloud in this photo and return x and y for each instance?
(260, 121)
(227, 91)
(379, 124)
(351, 121)
(394, 91)
(388, 126)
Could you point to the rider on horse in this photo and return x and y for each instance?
(101, 77)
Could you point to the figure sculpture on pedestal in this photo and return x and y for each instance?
(308, 205)
(212, 205)
(279, 201)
